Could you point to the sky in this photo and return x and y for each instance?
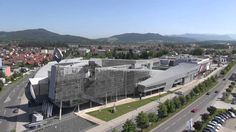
(104, 18)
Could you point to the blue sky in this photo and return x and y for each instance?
(102, 18)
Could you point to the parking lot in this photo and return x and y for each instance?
(229, 126)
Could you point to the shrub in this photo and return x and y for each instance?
(152, 117)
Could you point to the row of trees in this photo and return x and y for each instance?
(143, 121)
(228, 67)
(11, 78)
(120, 55)
(228, 91)
(169, 106)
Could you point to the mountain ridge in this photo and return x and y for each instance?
(206, 37)
(42, 35)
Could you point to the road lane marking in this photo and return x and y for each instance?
(4, 112)
(173, 123)
(179, 119)
(167, 128)
(7, 99)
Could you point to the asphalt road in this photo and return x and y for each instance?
(179, 121)
(10, 99)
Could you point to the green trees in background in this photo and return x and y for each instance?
(197, 51)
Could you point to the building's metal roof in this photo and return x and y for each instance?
(43, 71)
(158, 76)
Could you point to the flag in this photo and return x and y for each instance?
(57, 55)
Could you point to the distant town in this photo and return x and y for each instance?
(136, 84)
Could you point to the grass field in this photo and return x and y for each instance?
(107, 114)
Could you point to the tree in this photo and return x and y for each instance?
(229, 90)
(170, 106)
(211, 110)
(114, 130)
(162, 111)
(225, 95)
(205, 117)
(142, 120)
(129, 126)
(232, 83)
(182, 100)
(152, 117)
(2, 75)
(187, 97)
(196, 89)
(198, 125)
(197, 51)
(177, 102)
(192, 94)
(233, 52)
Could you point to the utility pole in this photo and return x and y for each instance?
(60, 110)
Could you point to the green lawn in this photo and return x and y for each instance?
(107, 115)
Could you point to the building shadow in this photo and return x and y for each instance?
(16, 118)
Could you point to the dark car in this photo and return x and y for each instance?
(208, 93)
(16, 110)
(216, 91)
(218, 121)
(194, 110)
(224, 79)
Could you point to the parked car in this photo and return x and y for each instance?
(231, 114)
(216, 91)
(218, 121)
(16, 110)
(222, 117)
(218, 124)
(211, 129)
(226, 117)
(208, 93)
(219, 117)
(214, 125)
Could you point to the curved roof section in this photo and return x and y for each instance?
(158, 76)
(43, 71)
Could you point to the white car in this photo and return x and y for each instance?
(220, 118)
(215, 125)
(232, 114)
(218, 124)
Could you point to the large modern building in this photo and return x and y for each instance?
(77, 81)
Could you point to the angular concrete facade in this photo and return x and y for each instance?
(77, 81)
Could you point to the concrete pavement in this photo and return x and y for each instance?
(9, 100)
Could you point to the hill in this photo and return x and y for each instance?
(205, 37)
(42, 35)
(147, 37)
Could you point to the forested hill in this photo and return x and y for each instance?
(147, 37)
(41, 35)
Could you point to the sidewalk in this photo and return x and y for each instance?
(20, 124)
(107, 126)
